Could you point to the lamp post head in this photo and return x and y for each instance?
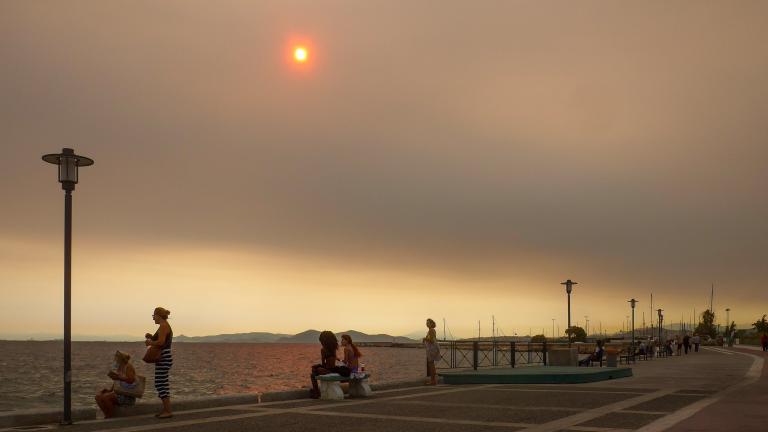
(633, 302)
(569, 285)
(68, 163)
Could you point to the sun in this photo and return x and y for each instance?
(300, 54)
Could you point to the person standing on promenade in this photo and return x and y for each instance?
(433, 351)
(696, 342)
(678, 345)
(764, 341)
(686, 343)
(162, 338)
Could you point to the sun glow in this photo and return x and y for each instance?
(300, 54)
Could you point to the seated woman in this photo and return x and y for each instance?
(125, 376)
(351, 354)
(595, 356)
(327, 361)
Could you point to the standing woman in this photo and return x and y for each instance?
(162, 338)
(433, 351)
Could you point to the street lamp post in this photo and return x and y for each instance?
(68, 163)
(553, 330)
(661, 322)
(728, 325)
(569, 288)
(633, 302)
(586, 324)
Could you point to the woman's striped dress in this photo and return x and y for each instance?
(163, 368)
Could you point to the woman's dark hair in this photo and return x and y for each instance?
(329, 342)
(348, 338)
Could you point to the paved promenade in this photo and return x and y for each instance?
(682, 393)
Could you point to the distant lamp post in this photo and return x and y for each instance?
(68, 163)
(661, 322)
(728, 326)
(569, 288)
(632, 303)
(553, 330)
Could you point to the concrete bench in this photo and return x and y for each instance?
(330, 386)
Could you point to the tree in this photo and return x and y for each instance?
(579, 335)
(707, 324)
(539, 338)
(761, 325)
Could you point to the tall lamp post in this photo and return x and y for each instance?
(68, 163)
(569, 288)
(728, 325)
(586, 325)
(633, 302)
(661, 322)
(553, 330)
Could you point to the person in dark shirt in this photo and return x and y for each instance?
(327, 363)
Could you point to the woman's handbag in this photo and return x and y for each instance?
(153, 354)
(137, 391)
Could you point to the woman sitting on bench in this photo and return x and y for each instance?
(328, 361)
(595, 356)
(351, 354)
(124, 375)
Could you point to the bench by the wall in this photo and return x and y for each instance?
(330, 388)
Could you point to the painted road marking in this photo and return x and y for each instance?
(718, 350)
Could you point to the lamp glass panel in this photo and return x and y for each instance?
(68, 170)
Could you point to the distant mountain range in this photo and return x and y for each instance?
(308, 336)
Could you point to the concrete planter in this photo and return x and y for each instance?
(563, 357)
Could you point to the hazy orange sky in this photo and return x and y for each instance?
(432, 159)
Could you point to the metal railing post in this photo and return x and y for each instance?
(474, 354)
(512, 353)
(544, 348)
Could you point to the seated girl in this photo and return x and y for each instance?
(123, 375)
(351, 354)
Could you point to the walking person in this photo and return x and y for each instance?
(162, 338)
(764, 341)
(433, 351)
(678, 345)
(686, 343)
(696, 342)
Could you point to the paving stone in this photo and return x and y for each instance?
(144, 420)
(541, 399)
(622, 420)
(472, 412)
(667, 403)
(315, 423)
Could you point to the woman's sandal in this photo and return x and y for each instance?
(163, 416)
